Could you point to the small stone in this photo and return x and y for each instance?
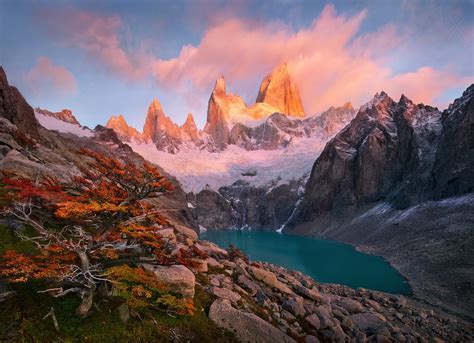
(324, 316)
(261, 298)
(313, 319)
(123, 312)
(347, 323)
(212, 262)
(294, 306)
(199, 266)
(311, 339)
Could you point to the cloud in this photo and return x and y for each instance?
(98, 36)
(332, 60)
(45, 78)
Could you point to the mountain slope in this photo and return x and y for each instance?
(386, 183)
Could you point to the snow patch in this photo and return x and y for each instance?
(54, 124)
(200, 169)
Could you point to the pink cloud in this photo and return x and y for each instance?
(331, 60)
(46, 77)
(98, 36)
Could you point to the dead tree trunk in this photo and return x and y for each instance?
(89, 286)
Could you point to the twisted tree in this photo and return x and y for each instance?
(82, 225)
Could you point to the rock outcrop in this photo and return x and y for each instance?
(15, 108)
(248, 326)
(64, 115)
(125, 132)
(278, 90)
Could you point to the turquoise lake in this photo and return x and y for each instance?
(324, 260)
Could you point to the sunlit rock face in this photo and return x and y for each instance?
(189, 128)
(64, 115)
(279, 91)
(122, 129)
(160, 129)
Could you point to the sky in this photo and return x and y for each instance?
(102, 58)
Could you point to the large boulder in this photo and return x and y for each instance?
(174, 279)
(247, 326)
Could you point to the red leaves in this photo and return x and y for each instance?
(17, 267)
(47, 189)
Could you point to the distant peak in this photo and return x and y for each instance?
(347, 106)
(156, 104)
(219, 86)
(281, 68)
(405, 99)
(190, 117)
(278, 90)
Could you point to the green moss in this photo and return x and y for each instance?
(21, 319)
(9, 240)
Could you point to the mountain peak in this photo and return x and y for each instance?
(347, 106)
(64, 115)
(278, 90)
(219, 86)
(122, 129)
(155, 105)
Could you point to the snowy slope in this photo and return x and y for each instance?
(200, 169)
(58, 125)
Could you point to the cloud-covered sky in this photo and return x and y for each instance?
(102, 58)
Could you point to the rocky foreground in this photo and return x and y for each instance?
(261, 302)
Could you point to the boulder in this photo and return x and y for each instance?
(212, 262)
(312, 294)
(199, 266)
(367, 321)
(350, 305)
(295, 306)
(175, 279)
(211, 249)
(270, 279)
(183, 230)
(225, 293)
(248, 284)
(247, 326)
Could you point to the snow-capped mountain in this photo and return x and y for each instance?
(267, 124)
(64, 115)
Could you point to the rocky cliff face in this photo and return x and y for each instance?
(64, 115)
(453, 169)
(382, 155)
(278, 90)
(15, 109)
(125, 132)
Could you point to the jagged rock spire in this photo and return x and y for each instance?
(279, 91)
